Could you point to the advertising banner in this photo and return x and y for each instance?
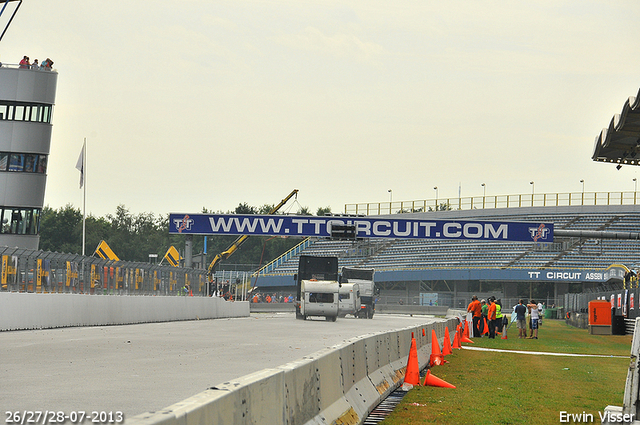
(366, 227)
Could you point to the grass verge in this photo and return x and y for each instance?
(510, 388)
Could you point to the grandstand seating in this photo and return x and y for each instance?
(572, 253)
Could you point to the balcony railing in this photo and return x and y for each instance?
(497, 201)
(18, 66)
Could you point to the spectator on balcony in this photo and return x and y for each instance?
(24, 63)
(47, 64)
(35, 65)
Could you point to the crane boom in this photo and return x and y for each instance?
(240, 240)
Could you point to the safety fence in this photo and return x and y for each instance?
(24, 270)
(623, 300)
(497, 201)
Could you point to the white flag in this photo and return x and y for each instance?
(80, 165)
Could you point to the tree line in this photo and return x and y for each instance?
(134, 236)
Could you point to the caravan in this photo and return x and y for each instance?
(349, 295)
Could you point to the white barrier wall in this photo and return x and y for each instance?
(341, 384)
(629, 412)
(39, 311)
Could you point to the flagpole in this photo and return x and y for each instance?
(84, 194)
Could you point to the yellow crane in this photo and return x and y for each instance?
(236, 244)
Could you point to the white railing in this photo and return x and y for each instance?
(30, 68)
(497, 201)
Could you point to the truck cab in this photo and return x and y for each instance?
(364, 277)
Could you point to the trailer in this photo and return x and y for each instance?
(317, 287)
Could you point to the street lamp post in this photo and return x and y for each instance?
(582, 181)
(390, 200)
(635, 189)
(533, 190)
(484, 193)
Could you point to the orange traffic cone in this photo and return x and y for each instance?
(436, 358)
(456, 342)
(465, 334)
(412, 376)
(486, 328)
(446, 346)
(434, 381)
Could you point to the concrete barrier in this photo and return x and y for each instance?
(272, 307)
(411, 309)
(340, 384)
(629, 412)
(380, 308)
(40, 311)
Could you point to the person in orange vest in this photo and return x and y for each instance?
(485, 310)
(268, 299)
(491, 317)
(475, 308)
(255, 298)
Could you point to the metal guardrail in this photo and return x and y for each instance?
(283, 258)
(497, 201)
(25, 270)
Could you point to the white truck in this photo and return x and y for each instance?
(349, 295)
(364, 277)
(317, 287)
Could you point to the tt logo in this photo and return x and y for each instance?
(539, 232)
(183, 223)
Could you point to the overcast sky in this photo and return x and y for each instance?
(203, 103)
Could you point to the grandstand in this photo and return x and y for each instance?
(406, 268)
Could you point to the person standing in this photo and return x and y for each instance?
(534, 316)
(491, 317)
(540, 313)
(483, 319)
(521, 311)
(498, 322)
(475, 308)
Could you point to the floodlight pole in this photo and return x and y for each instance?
(12, 16)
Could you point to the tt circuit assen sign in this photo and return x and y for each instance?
(366, 227)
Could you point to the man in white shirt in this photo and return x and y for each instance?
(534, 316)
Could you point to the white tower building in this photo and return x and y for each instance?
(27, 97)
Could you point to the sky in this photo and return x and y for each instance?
(209, 104)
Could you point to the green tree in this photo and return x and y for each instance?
(323, 211)
(61, 229)
(304, 211)
(244, 208)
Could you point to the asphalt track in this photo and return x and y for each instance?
(139, 368)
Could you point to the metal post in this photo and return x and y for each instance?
(188, 251)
